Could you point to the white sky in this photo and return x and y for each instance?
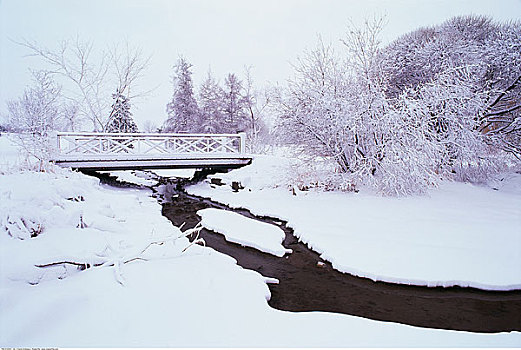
(226, 35)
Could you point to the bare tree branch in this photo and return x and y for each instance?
(89, 75)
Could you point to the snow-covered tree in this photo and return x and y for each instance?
(150, 126)
(501, 121)
(256, 104)
(211, 105)
(36, 114)
(418, 57)
(311, 109)
(235, 119)
(493, 52)
(337, 106)
(72, 118)
(120, 119)
(182, 110)
(38, 110)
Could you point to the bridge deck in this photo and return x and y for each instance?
(156, 161)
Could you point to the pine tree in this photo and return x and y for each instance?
(211, 105)
(235, 118)
(182, 110)
(120, 119)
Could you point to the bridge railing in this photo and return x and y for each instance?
(71, 143)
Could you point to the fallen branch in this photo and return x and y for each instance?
(81, 266)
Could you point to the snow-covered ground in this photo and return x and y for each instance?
(143, 289)
(459, 234)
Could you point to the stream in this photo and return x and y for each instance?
(308, 283)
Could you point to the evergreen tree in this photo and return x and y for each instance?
(120, 119)
(211, 105)
(182, 110)
(235, 118)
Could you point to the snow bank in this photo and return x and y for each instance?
(245, 231)
(459, 234)
(50, 218)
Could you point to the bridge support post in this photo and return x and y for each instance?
(242, 146)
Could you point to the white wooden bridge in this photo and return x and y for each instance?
(120, 151)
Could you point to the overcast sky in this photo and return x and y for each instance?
(223, 35)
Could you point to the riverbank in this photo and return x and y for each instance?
(475, 228)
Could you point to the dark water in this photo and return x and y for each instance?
(308, 286)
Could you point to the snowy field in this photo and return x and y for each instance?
(459, 234)
(86, 265)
